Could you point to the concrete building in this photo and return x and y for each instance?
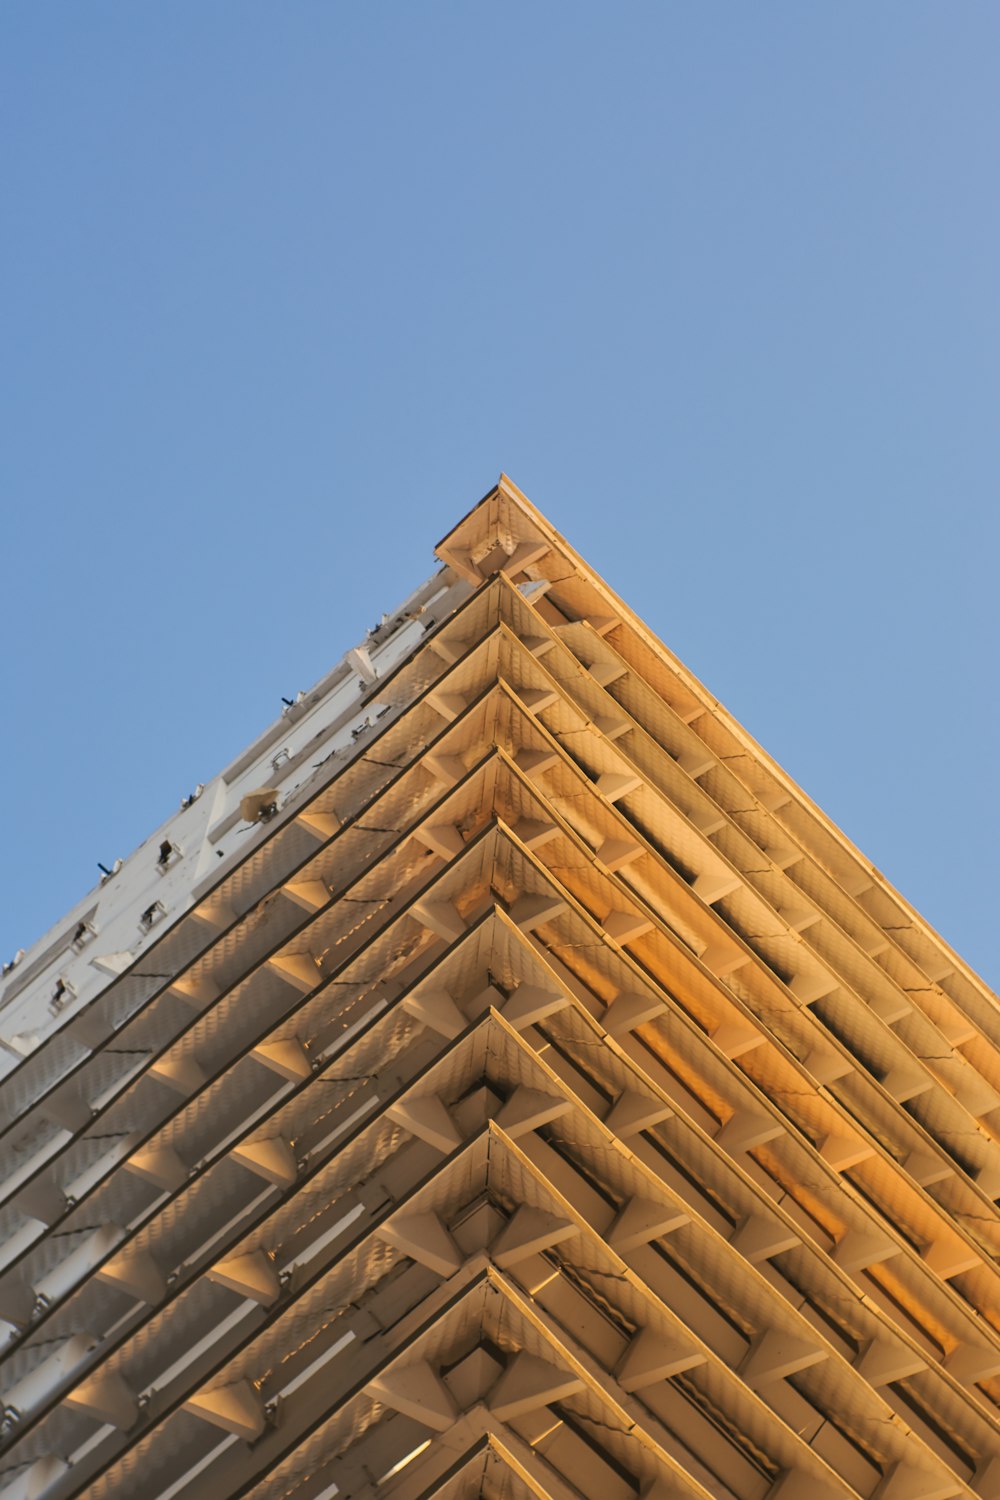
(501, 1081)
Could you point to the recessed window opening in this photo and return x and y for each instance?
(153, 913)
(167, 855)
(61, 995)
(82, 935)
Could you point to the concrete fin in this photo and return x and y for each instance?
(882, 1362)
(530, 1231)
(523, 555)
(529, 1004)
(437, 1010)
(272, 1159)
(425, 1239)
(309, 894)
(625, 926)
(798, 918)
(528, 1383)
(697, 762)
(906, 1083)
(759, 1237)
(448, 705)
(737, 1037)
(844, 1151)
(252, 1276)
(537, 644)
(441, 918)
(629, 1010)
(159, 1165)
(112, 963)
(926, 1169)
(235, 1408)
(134, 1272)
(614, 785)
(536, 700)
(807, 988)
(451, 651)
(776, 1354)
(360, 662)
(425, 1116)
(606, 672)
(950, 1257)
(611, 728)
(194, 990)
(827, 1067)
(708, 820)
(632, 1112)
(745, 1129)
(783, 856)
(714, 884)
(531, 911)
(970, 1363)
(107, 1399)
(215, 913)
(528, 1108)
(890, 1008)
(650, 1357)
(184, 1075)
(857, 1250)
(322, 825)
(615, 854)
(534, 763)
(300, 969)
(906, 1482)
(442, 839)
(641, 1220)
(533, 833)
(723, 959)
(416, 1391)
(288, 1058)
(447, 768)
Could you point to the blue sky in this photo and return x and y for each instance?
(285, 286)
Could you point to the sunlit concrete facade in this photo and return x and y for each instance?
(501, 1081)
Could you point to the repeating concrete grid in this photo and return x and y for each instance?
(511, 1086)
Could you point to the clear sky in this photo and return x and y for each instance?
(285, 286)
